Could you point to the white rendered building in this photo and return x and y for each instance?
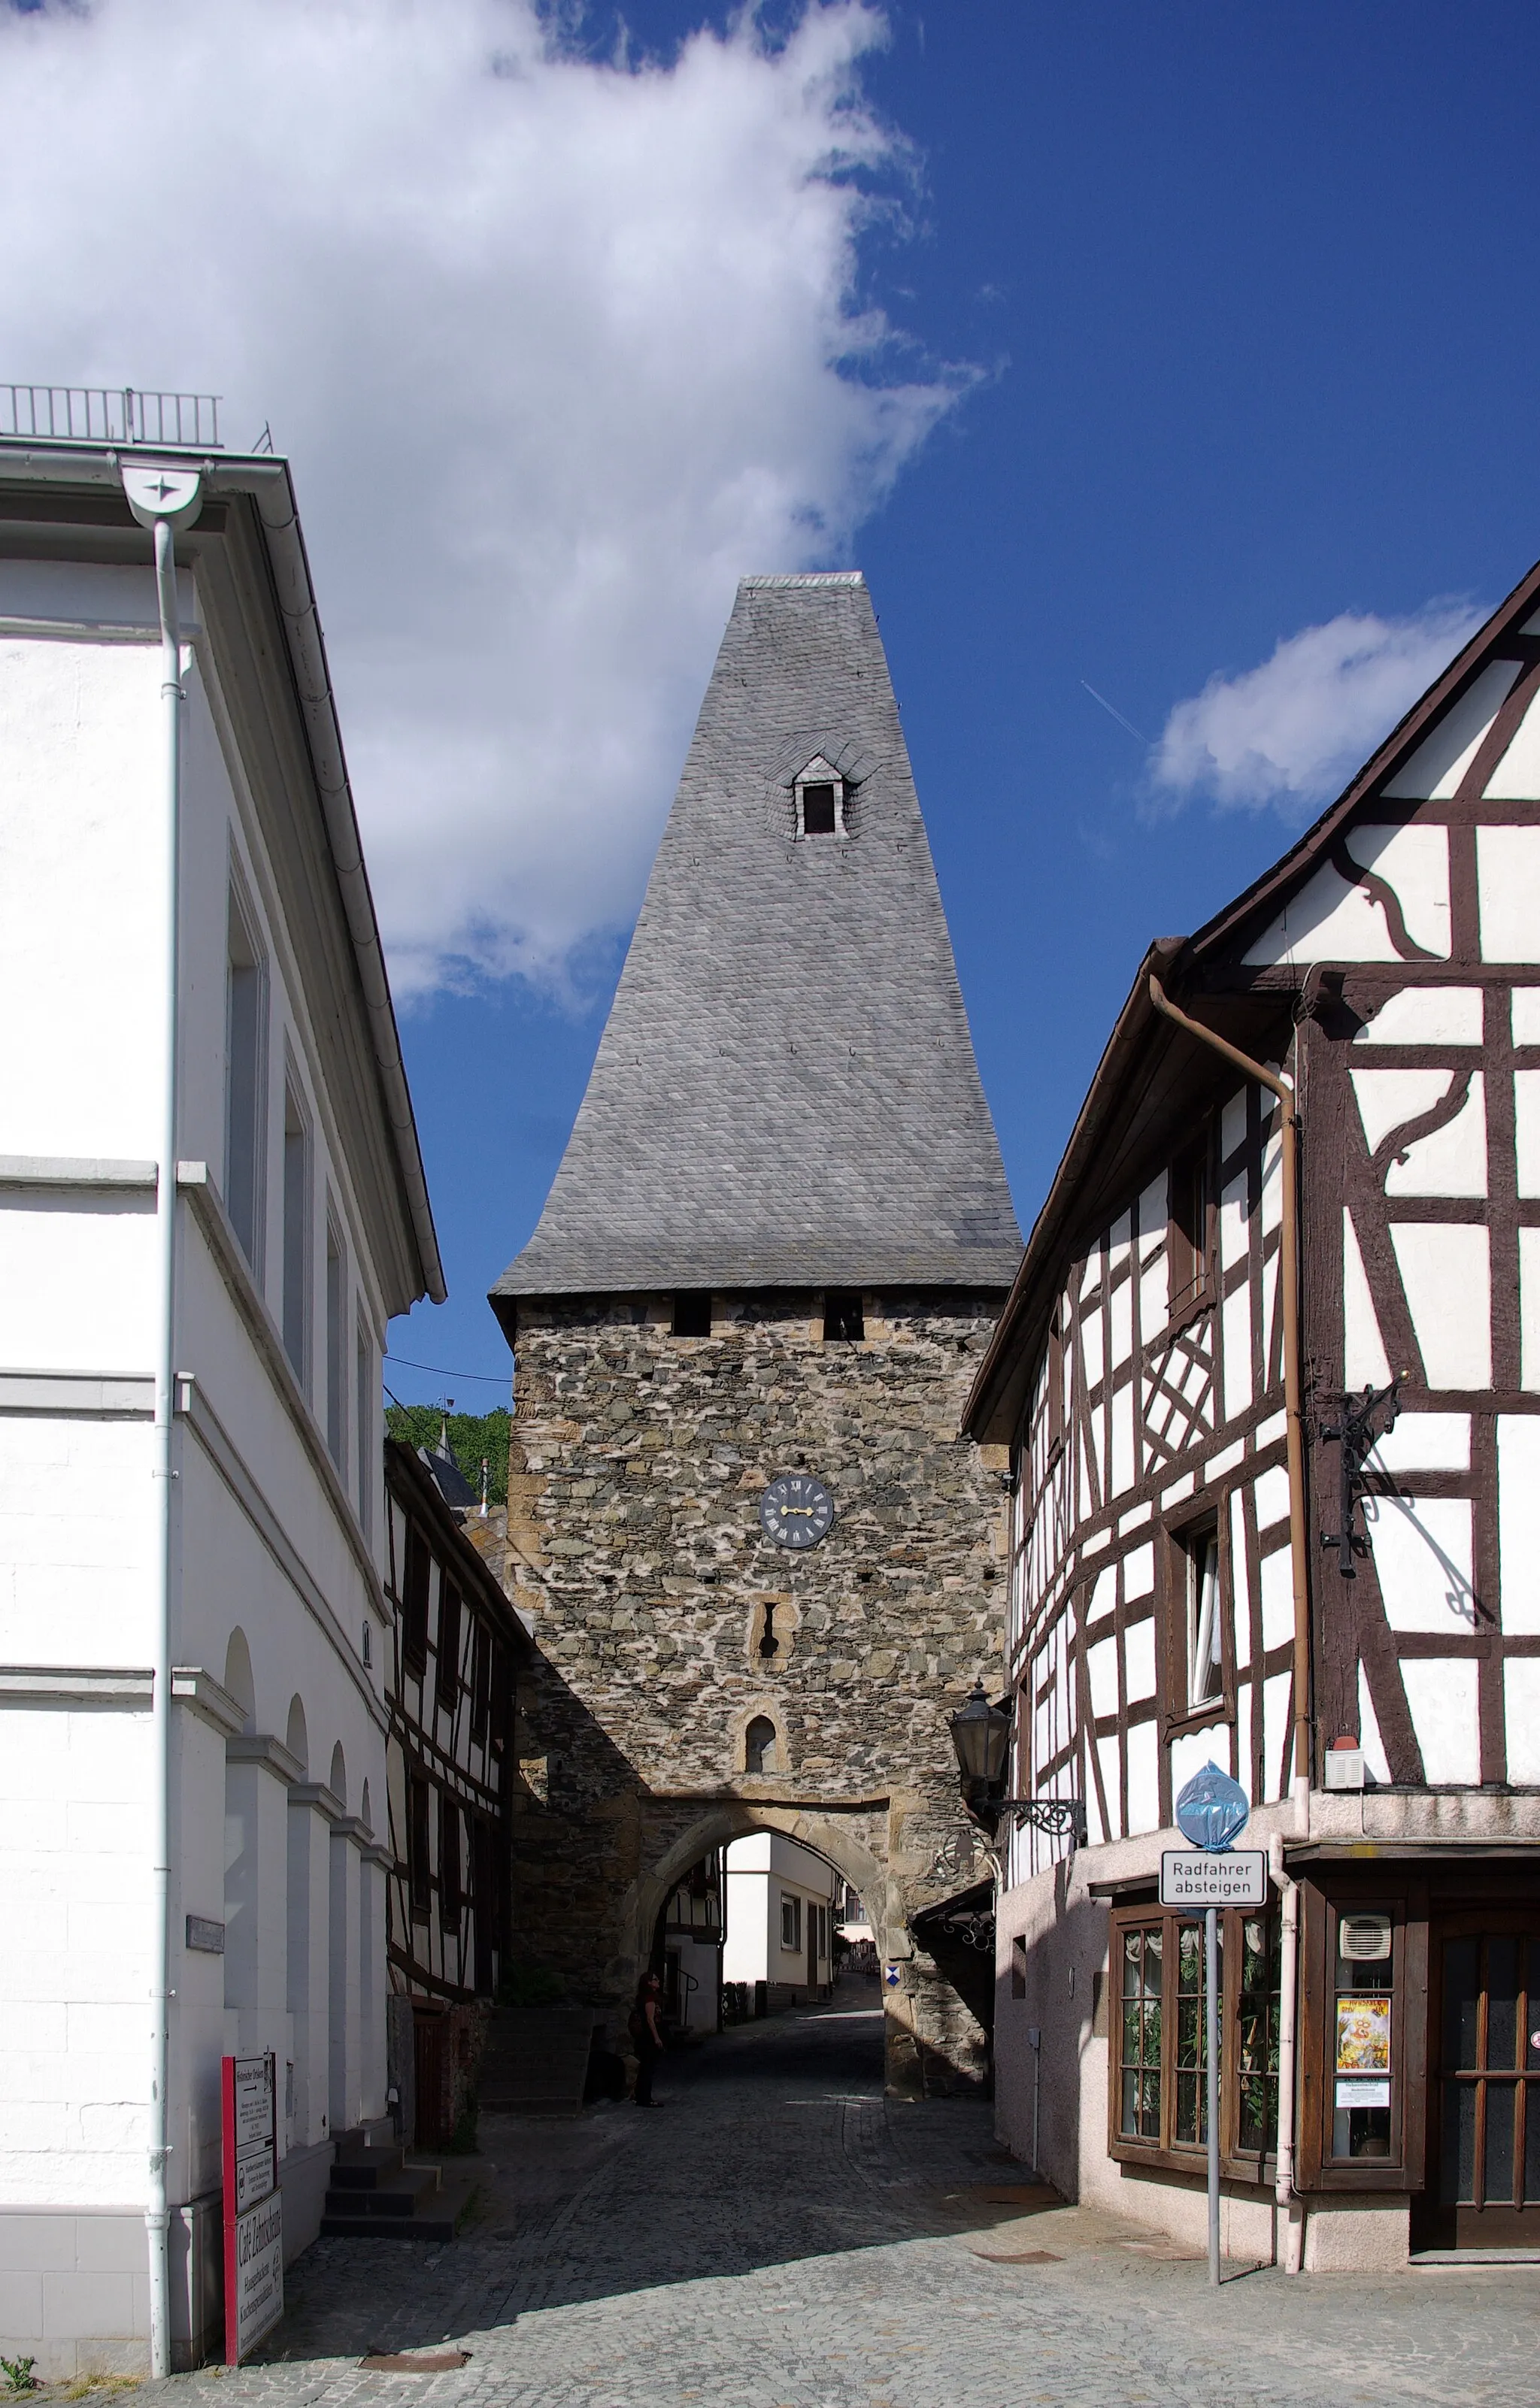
(780, 1912)
(299, 1223)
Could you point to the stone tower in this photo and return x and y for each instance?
(774, 1248)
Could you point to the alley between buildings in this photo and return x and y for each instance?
(779, 2235)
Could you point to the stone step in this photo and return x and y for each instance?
(366, 2169)
(398, 2195)
(434, 2219)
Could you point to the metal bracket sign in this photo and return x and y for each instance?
(1197, 1878)
(253, 2204)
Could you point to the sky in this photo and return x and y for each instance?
(1168, 372)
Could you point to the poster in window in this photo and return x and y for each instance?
(1364, 2033)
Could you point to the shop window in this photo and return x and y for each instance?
(1363, 2030)
(1363, 2050)
(1160, 2063)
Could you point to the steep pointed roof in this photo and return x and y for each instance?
(786, 1093)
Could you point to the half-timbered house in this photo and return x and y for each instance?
(450, 1687)
(1271, 1377)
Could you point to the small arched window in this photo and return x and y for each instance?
(760, 1745)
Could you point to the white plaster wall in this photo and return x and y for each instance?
(77, 1536)
(81, 815)
(73, 1973)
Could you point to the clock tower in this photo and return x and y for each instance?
(759, 1559)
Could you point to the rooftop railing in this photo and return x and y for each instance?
(78, 413)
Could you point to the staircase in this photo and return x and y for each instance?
(374, 2195)
(536, 2062)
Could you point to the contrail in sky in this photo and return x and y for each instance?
(1116, 714)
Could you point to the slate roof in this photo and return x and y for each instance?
(786, 1093)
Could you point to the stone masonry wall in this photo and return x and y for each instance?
(632, 1543)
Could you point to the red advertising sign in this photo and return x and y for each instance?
(253, 2204)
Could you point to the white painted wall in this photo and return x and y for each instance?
(761, 1870)
(269, 1541)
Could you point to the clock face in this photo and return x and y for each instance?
(796, 1511)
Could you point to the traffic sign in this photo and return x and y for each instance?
(1200, 1877)
(1212, 1810)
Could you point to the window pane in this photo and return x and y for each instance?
(1531, 2021)
(1140, 2083)
(1531, 2145)
(1256, 2035)
(1502, 2000)
(1457, 2170)
(1460, 1998)
(1498, 2188)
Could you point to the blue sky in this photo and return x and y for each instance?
(1183, 352)
(1251, 294)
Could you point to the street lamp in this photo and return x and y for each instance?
(979, 1734)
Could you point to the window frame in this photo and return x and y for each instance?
(1169, 2154)
(416, 1587)
(1191, 1229)
(1177, 1570)
(791, 1914)
(335, 1401)
(819, 773)
(246, 1116)
(451, 1891)
(1375, 1890)
(296, 1300)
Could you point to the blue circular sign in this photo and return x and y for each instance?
(1212, 1810)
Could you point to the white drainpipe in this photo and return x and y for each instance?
(164, 499)
(1291, 2209)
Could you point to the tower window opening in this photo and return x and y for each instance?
(817, 811)
(760, 1745)
(844, 1319)
(692, 1314)
(769, 1646)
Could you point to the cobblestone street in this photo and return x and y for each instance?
(778, 2236)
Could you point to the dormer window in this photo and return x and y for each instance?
(820, 801)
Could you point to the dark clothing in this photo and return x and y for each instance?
(648, 2053)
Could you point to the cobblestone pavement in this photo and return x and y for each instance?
(780, 2237)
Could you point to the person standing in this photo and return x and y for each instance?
(646, 2036)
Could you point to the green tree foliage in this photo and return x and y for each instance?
(471, 1437)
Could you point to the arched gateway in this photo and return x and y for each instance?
(758, 1559)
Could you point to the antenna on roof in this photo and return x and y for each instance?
(265, 441)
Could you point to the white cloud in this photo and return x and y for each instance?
(559, 347)
(1292, 732)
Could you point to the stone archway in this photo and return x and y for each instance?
(731, 1818)
(853, 1844)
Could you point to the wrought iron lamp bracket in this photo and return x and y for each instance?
(1355, 1434)
(1059, 1818)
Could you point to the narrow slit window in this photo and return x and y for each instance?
(363, 1417)
(336, 1300)
(1191, 1228)
(297, 1235)
(245, 1081)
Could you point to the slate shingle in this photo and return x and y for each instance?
(786, 1093)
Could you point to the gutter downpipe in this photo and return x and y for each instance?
(162, 500)
(1300, 1562)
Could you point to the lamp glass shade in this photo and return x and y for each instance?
(979, 1734)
